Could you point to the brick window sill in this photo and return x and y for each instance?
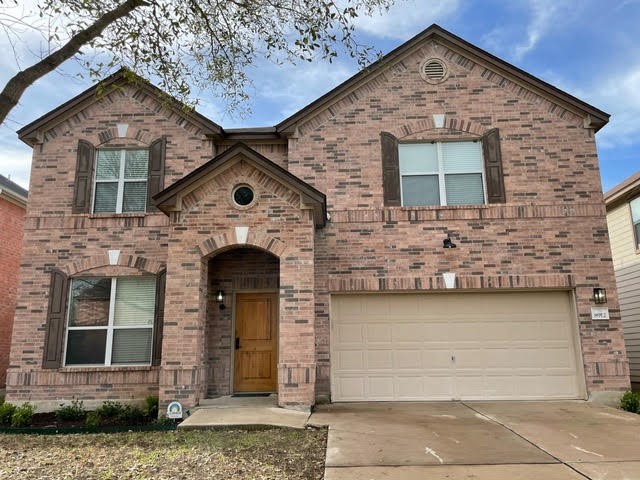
(132, 368)
(116, 215)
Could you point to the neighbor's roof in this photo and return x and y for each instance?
(13, 191)
(623, 192)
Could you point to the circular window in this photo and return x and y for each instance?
(433, 71)
(243, 195)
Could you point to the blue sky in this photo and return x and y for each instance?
(588, 48)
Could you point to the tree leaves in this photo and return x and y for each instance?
(209, 44)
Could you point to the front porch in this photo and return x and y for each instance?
(254, 250)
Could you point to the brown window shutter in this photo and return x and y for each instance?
(493, 166)
(56, 315)
(155, 183)
(390, 169)
(158, 319)
(84, 178)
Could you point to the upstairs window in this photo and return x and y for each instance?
(121, 181)
(442, 173)
(635, 220)
(110, 321)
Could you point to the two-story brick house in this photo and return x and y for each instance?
(315, 258)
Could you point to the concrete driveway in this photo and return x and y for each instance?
(480, 441)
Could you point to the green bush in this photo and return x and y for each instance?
(73, 411)
(110, 409)
(130, 415)
(93, 419)
(150, 408)
(6, 412)
(23, 416)
(630, 402)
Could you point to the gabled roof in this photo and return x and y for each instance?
(596, 117)
(168, 198)
(13, 192)
(30, 133)
(623, 192)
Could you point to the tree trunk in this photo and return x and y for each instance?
(17, 85)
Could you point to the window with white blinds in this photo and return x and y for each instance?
(121, 181)
(442, 173)
(110, 321)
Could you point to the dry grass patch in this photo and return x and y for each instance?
(278, 454)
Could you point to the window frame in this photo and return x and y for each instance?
(635, 225)
(120, 181)
(110, 328)
(442, 191)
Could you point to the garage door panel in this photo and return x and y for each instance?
(453, 346)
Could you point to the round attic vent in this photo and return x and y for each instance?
(433, 71)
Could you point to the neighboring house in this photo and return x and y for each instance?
(13, 203)
(623, 217)
(169, 255)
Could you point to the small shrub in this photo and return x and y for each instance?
(6, 412)
(93, 419)
(163, 420)
(73, 411)
(150, 408)
(110, 409)
(630, 402)
(130, 415)
(23, 416)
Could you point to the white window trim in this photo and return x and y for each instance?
(110, 328)
(441, 176)
(120, 180)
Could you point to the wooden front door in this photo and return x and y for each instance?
(256, 346)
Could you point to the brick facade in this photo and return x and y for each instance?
(11, 228)
(550, 234)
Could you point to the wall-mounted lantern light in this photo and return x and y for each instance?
(447, 243)
(599, 295)
(220, 299)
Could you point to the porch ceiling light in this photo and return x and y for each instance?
(599, 295)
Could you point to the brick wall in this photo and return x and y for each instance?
(11, 226)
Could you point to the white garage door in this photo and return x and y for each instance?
(467, 346)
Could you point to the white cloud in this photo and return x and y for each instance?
(406, 18)
(15, 162)
(292, 87)
(516, 40)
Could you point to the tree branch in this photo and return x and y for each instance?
(16, 86)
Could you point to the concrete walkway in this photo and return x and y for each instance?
(243, 411)
(483, 441)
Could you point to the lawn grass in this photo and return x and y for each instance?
(279, 454)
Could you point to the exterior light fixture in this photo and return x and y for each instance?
(447, 243)
(220, 299)
(599, 295)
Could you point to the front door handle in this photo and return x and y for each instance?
(237, 343)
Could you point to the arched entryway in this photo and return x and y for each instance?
(241, 330)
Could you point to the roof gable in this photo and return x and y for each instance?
(33, 133)
(170, 198)
(592, 116)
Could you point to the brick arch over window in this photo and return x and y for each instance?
(108, 134)
(234, 238)
(450, 123)
(132, 261)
